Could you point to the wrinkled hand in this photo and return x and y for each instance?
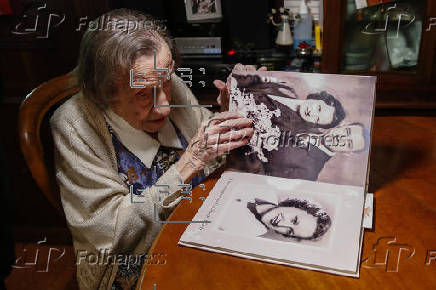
(224, 87)
(224, 132)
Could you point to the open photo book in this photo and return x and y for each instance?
(295, 195)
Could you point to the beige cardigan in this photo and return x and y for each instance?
(95, 199)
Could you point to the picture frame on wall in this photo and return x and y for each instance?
(203, 10)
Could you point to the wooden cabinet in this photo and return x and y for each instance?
(395, 42)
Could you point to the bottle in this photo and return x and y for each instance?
(284, 36)
(303, 26)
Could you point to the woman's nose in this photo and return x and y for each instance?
(161, 97)
(162, 100)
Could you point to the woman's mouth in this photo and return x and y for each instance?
(159, 120)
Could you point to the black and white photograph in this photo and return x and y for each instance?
(306, 224)
(285, 216)
(307, 126)
(198, 10)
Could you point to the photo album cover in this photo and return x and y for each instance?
(295, 194)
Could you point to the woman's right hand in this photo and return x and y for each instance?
(224, 132)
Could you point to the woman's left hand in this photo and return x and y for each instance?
(224, 87)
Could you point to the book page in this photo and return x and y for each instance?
(282, 220)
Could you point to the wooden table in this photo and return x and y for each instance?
(403, 171)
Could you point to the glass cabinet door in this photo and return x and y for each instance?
(384, 37)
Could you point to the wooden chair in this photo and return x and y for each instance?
(34, 132)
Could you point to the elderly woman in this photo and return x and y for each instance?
(118, 154)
